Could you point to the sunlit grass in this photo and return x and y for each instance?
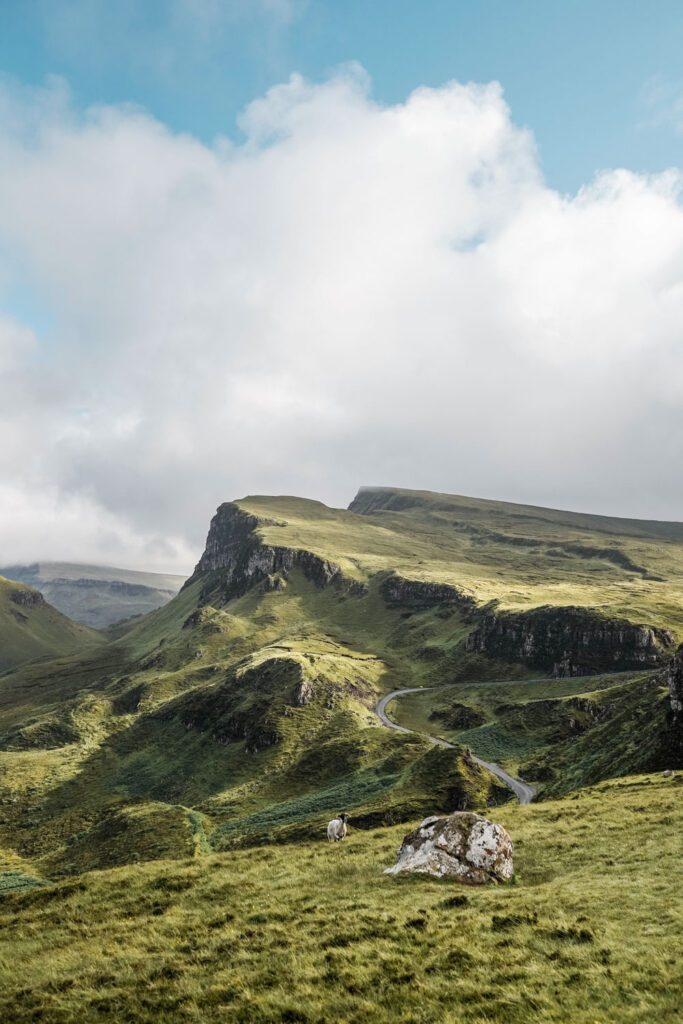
(588, 931)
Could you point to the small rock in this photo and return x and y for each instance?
(668, 774)
(304, 694)
(463, 846)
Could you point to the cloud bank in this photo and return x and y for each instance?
(352, 294)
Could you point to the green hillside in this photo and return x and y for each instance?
(30, 628)
(242, 712)
(97, 595)
(587, 933)
(563, 733)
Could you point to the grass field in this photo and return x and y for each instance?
(164, 790)
(588, 932)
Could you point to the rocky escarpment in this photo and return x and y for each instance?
(570, 641)
(674, 724)
(236, 555)
(676, 686)
(418, 595)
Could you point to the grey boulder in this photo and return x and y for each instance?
(463, 846)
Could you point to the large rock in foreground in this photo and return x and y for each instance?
(463, 846)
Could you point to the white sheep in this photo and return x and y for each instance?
(336, 830)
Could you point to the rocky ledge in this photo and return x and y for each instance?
(237, 555)
(418, 595)
(27, 598)
(463, 846)
(570, 641)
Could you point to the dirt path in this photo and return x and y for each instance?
(522, 790)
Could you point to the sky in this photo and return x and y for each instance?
(297, 246)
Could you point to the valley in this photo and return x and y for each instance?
(95, 595)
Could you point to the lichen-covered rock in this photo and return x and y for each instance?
(463, 846)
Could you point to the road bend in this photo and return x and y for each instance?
(522, 790)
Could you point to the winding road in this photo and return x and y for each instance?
(522, 790)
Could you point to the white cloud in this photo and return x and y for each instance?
(661, 103)
(355, 294)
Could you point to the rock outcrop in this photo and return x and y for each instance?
(673, 736)
(27, 598)
(235, 551)
(570, 641)
(418, 595)
(676, 686)
(463, 846)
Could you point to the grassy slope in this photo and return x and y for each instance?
(97, 595)
(185, 739)
(36, 630)
(315, 934)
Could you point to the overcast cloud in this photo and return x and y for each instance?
(354, 294)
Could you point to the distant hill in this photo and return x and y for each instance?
(30, 628)
(96, 595)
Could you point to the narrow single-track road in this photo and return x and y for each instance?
(522, 790)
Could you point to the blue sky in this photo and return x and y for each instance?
(292, 246)
(598, 81)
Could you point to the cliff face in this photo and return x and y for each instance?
(417, 595)
(674, 723)
(676, 687)
(237, 554)
(570, 641)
